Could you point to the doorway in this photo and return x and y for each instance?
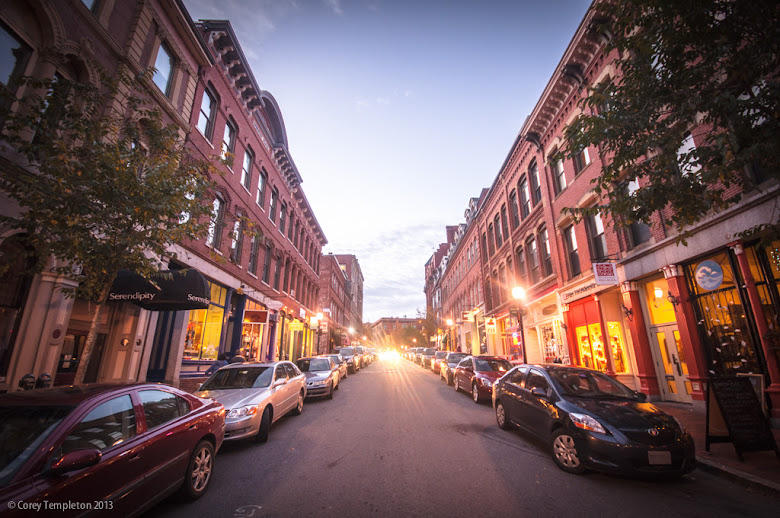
(668, 354)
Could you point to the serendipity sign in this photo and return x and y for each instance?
(170, 290)
(605, 273)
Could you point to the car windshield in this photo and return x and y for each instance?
(492, 365)
(589, 384)
(347, 351)
(245, 377)
(441, 354)
(429, 352)
(314, 365)
(22, 431)
(455, 358)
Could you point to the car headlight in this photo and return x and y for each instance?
(681, 425)
(587, 422)
(486, 382)
(317, 382)
(243, 411)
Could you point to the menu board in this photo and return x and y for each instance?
(734, 415)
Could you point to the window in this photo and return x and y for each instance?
(254, 251)
(286, 282)
(14, 57)
(229, 139)
(559, 177)
(525, 198)
(281, 373)
(581, 160)
(261, 181)
(267, 264)
(491, 240)
(215, 225)
(237, 240)
(544, 242)
(497, 229)
(161, 407)
(274, 202)
(277, 272)
(687, 158)
(109, 424)
(290, 227)
(504, 224)
(484, 248)
(536, 380)
(533, 259)
(163, 64)
(520, 263)
(598, 241)
(570, 240)
(638, 232)
(208, 111)
(246, 169)
(283, 217)
(536, 188)
(513, 209)
(90, 4)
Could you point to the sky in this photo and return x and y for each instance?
(397, 113)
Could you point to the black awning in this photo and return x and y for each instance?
(168, 290)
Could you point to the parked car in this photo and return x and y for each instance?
(365, 358)
(447, 366)
(477, 374)
(343, 369)
(353, 361)
(418, 354)
(322, 376)
(127, 446)
(427, 357)
(592, 421)
(438, 357)
(255, 396)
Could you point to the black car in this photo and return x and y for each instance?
(351, 357)
(592, 421)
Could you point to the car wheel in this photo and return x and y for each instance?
(475, 393)
(299, 406)
(265, 426)
(449, 380)
(330, 392)
(199, 469)
(501, 416)
(564, 452)
(457, 387)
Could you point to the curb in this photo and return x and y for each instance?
(740, 477)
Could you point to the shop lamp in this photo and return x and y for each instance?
(671, 298)
(658, 292)
(628, 312)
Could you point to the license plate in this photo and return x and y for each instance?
(659, 457)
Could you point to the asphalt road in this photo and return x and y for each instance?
(396, 442)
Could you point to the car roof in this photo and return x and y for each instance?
(239, 365)
(69, 395)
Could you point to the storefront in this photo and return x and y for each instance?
(254, 332)
(204, 327)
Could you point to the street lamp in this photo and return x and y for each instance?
(518, 294)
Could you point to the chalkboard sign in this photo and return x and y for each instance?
(734, 414)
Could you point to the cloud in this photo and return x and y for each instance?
(335, 6)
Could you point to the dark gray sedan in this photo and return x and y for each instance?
(322, 376)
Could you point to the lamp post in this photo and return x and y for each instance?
(518, 294)
(450, 323)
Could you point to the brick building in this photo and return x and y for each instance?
(335, 303)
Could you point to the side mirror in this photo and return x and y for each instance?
(75, 460)
(279, 382)
(539, 392)
(641, 395)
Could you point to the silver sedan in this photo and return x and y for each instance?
(255, 395)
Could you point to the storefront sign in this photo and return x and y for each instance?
(584, 290)
(295, 325)
(605, 273)
(709, 275)
(170, 290)
(490, 325)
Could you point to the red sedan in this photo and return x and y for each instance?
(114, 450)
(477, 374)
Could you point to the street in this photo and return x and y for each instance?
(395, 441)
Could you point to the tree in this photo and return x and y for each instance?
(712, 64)
(104, 184)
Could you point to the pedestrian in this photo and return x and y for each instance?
(221, 361)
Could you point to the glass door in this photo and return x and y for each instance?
(669, 354)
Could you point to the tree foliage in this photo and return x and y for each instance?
(104, 183)
(709, 64)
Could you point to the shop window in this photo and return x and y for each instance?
(204, 328)
(591, 347)
(554, 349)
(661, 311)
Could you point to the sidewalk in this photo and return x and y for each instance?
(760, 469)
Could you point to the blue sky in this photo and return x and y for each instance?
(397, 113)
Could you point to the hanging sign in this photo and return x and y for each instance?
(709, 275)
(490, 325)
(605, 273)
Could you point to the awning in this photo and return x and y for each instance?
(168, 290)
